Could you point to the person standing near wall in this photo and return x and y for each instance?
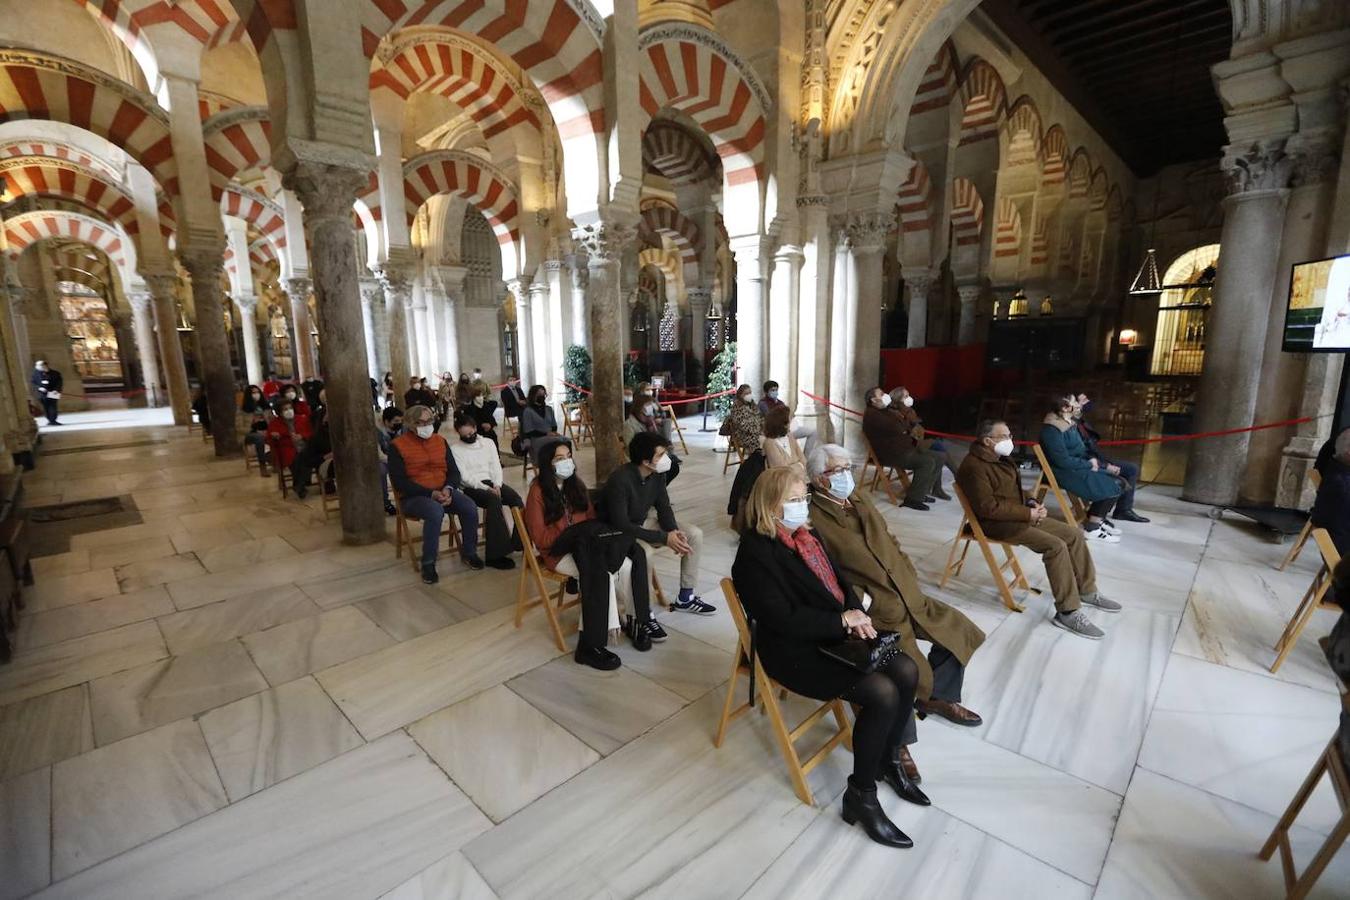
(47, 382)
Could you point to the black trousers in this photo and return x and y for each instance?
(885, 701)
(594, 581)
(499, 542)
(49, 409)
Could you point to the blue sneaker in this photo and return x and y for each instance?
(694, 605)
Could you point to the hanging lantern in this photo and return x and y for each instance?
(1047, 306)
(1017, 306)
(1147, 280)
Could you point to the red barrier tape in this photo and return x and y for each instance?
(1120, 443)
(667, 403)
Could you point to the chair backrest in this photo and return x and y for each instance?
(1315, 477)
(1330, 555)
(737, 613)
(527, 548)
(969, 513)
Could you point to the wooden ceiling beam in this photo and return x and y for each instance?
(1163, 33)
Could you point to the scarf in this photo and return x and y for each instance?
(805, 545)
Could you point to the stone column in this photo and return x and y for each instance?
(524, 333)
(784, 289)
(1252, 225)
(556, 337)
(919, 282)
(452, 282)
(142, 323)
(604, 242)
(373, 292)
(120, 320)
(580, 322)
(206, 266)
(421, 334)
(164, 290)
(297, 289)
(867, 235)
(700, 299)
(21, 438)
(750, 337)
(370, 298)
(544, 372)
(394, 279)
(248, 327)
(969, 295)
(813, 324)
(839, 330)
(327, 193)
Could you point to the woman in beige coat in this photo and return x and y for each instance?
(780, 447)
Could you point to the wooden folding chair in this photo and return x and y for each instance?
(284, 479)
(251, 458)
(404, 538)
(732, 447)
(1332, 764)
(969, 530)
(1313, 599)
(586, 428)
(570, 431)
(767, 695)
(669, 410)
(1070, 506)
(329, 502)
(884, 476)
(1316, 478)
(534, 574)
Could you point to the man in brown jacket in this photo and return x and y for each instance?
(867, 553)
(895, 446)
(993, 488)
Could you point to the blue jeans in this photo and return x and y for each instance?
(432, 514)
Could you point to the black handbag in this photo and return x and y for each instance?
(863, 655)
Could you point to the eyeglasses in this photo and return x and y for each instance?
(836, 470)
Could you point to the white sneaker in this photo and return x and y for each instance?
(1101, 536)
(1110, 526)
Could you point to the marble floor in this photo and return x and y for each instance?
(223, 700)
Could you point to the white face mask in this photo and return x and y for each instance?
(649, 409)
(841, 484)
(885, 400)
(796, 513)
(1004, 447)
(478, 401)
(908, 401)
(564, 469)
(424, 431)
(662, 465)
(288, 414)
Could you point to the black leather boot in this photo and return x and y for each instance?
(862, 806)
(893, 773)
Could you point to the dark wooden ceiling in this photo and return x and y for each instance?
(1138, 70)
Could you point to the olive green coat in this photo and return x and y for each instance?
(871, 560)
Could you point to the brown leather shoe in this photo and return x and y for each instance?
(909, 765)
(951, 711)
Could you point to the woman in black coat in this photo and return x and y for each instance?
(797, 600)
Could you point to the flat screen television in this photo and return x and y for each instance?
(1317, 319)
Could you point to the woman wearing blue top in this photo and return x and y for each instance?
(1078, 472)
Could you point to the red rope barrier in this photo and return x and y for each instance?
(583, 390)
(1119, 443)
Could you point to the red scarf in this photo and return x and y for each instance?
(804, 544)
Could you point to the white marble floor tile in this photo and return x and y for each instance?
(1177, 841)
(1246, 737)
(452, 878)
(25, 833)
(78, 660)
(307, 645)
(65, 590)
(667, 813)
(1237, 613)
(604, 709)
(315, 537)
(1079, 706)
(500, 750)
(223, 517)
(228, 619)
(67, 622)
(201, 542)
(681, 664)
(950, 859)
(406, 613)
(268, 737)
(250, 552)
(43, 730)
(203, 589)
(391, 688)
(133, 552)
(91, 540)
(340, 588)
(717, 630)
(356, 826)
(481, 591)
(121, 795)
(70, 563)
(147, 696)
(158, 571)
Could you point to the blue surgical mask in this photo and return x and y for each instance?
(795, 514)
(773, 395)
(564, 469)
(841, 484)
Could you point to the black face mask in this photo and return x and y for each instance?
(538, 401)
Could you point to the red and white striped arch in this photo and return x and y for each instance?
(237, 140)
(916, 201)
(483, 186)
(57, 150)
(664, 221)
(983, 101)
(1055, 148)
(676, 154)
(1040, 243)
(47, 176)
(32, 227)
(255, 209)
(1007, 230)
(1097, 190)
(967, 213)
(37, 86)
(462, 73)
(1023, 130)
(939, 82)
(558, 50)
(687, 69)
(1080, 174)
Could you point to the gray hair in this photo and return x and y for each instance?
(987, 427)
(415, 413)
(1343, 444)
(820, 457)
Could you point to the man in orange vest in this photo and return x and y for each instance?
(423, 471)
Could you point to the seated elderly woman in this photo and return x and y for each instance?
(864, 549)
(558, 503)
(1078, 472)
(799, 603)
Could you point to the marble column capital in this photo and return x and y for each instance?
(867, 231)
(1258, 166)
(325, 191)
(789, 253)
(247, 303)
(553, 265)
(519, 291)
(919, 281)
(969, 293)
(297, 289)
(162, 285)
(604, 242)
(204, 263)
(372, 292)
(1314, 157)
(394, 279)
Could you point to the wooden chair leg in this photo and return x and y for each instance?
(1299, 886)
(1295, 550)
(951, 555)
(732, 684)
(784, 736)
(1302, 616)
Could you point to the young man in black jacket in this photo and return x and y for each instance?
(48, 383)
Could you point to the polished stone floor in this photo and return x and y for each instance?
(223, 700)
